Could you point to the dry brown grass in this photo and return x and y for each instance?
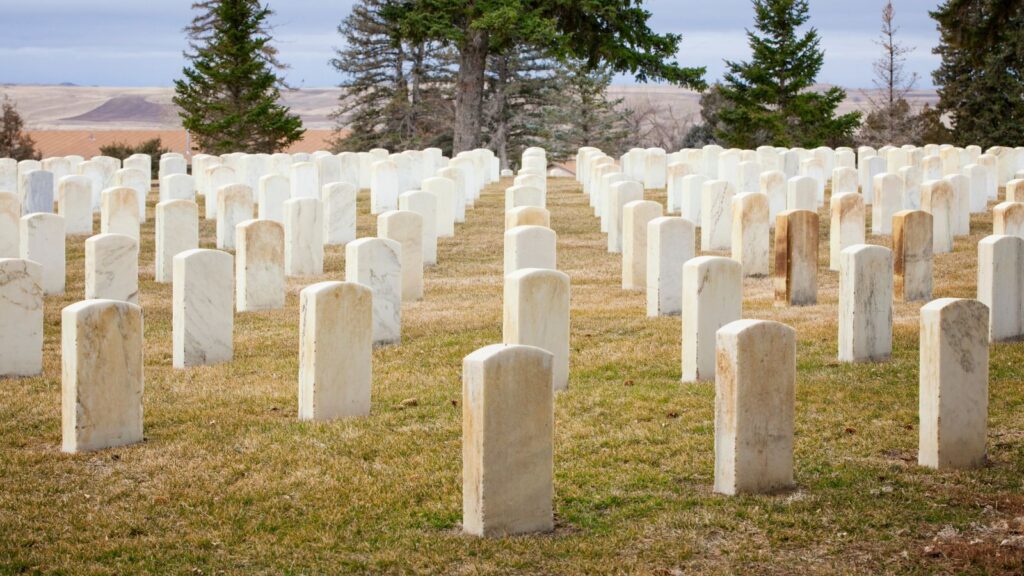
(228, 481)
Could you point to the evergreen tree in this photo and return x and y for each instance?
(891, 119)
(770, 98)
(229, 96)
(522, 86)
(394, 91)
(14, 143)
(615, 32)
(711, 104)
(585, 115)
(981, 77)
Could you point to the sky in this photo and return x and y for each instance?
(140, 43)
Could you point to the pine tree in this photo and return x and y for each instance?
(14, 143)
(394, 91)
(770, 98)
(891, 119)
(522, 86)
(981, 77)
(229, 96)
(586, 116)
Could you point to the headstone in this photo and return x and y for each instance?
(177, 187)
(962, 199)
(693, 190)
(303, 237)
(95, 173)
(377, 264)
(912, 180)
(815, 168)
(120, 212)
(304, 180)
(937, 199)
(796, 258)
(21, 317)
(10, 222)
(339, 204)
(9, 176)
(868, 170)
(674, 181)
(274, 191)
(112, 268)
(1008, 219)
(74, 203)
(1015, 190)
(406, 228)
(847, 224)
(516, 196)
(459, 192)
(136, 180)
(424, 204)
(202, 308)
(670, 243)
(978, 176)
(912, 255)
(773, 184)
(802, 194)
(953, 395)
(216, 178)
(41, 240)
(755, 402)
(716, 215)
(444, 190)
(234, 206)
(750, 177)
(620, 194)
(635, 216)
(1001, 283)
(384, 187)
(176, 230)
(530, 247)
(536, 313)
(888, 190)
(750, 232)
(38, 192)
(865, 303)
(259, 265)
(102, 382)
(527, 216)
(171, 164)
(712, 298)
(844, 180)
(507, 441)
(335, 350)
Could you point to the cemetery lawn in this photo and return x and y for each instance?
(228, 481)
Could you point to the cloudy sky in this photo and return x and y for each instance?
(139, 42)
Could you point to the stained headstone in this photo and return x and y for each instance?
(202, 308)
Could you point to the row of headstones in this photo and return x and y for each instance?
(654, 168)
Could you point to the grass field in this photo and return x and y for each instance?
(228, 481)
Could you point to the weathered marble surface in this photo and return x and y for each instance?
(335, 350)
(670, 243)
(112, 268)
(712, 297)
(10, 222)
(216, 178)
(21, 317)
(424, 204)
(716, 215)
(536, 313)
(773, 184)
(796, 258)
(303, 237)
(102, 375)
(1008, 219)
(119, 213)
(41, 240)
(844, 180)
(937, 199)
(444, 190)
(527, 216)
(953, 394)
(259, 265)
(507, 441)
(171, 164)
(865, 303)
(406, 228)
(635, 216)
(755, 402)
(530, 247)
(516, 196)
(384, 187)
(137, 180)
(962, 200)
(203, 309)
(620, 194)
(339, 203)
(176, 230)
(177, 187)
(96, 174)
(234, 206)
(868, 169)
(888, 189)
(37, 192)
(750, 232)
(912, 255)
(377, 264)
(304, 180)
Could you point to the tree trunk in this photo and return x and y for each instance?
(469, 97)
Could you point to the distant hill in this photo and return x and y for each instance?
(66, 107)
